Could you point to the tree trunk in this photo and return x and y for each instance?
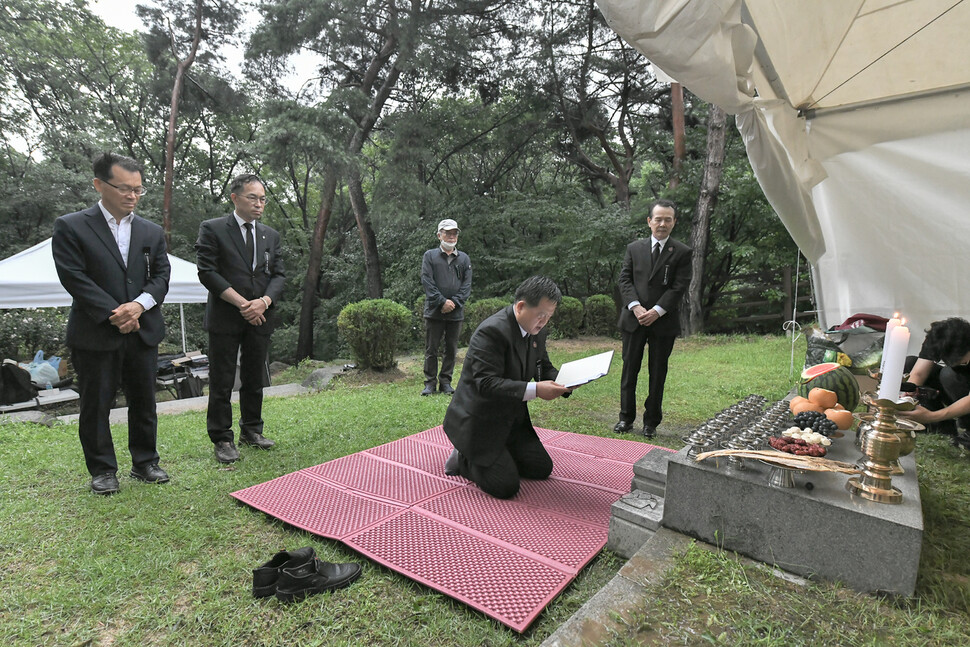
(181, 69)
(701, 227)
(304, 344)
(677, 117)
(372, 260)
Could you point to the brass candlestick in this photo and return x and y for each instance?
(906, 430)
(881, 445)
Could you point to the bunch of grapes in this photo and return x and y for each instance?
(817, 422)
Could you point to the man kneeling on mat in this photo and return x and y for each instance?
(488, 418)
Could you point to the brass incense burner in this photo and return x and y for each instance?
(882, 444)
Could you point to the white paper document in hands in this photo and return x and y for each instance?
(585, 370)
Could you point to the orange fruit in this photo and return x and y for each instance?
(807, 405)
(823, 398)
(795, 401)
(842, 418)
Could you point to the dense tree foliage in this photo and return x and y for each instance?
(529, 122)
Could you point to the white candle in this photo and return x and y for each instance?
(892, 374)
(892, 323)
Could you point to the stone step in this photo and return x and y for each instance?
(633, 521)
(657, 488)
(650, 473)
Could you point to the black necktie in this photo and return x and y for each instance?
(528, 342)
(250, 244)
(656, 254)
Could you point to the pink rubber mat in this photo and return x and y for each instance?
(506, 558)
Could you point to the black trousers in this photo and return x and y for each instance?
(436, 329)
(659, 348)
(252, 348)
(523, 457)
(134, 367)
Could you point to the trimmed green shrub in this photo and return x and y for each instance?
(601, 315)
(373, 329)
(568, 318)
(476, 312)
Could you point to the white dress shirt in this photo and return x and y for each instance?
(122, 235)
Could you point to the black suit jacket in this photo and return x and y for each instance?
(487, 405)
(222, 263)
(652, 284)
(92, 271)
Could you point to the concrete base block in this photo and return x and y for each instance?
(818, 531)
(650, 473)
(633, 520)
(647, 485)
(626, 538)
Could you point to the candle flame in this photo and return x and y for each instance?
(895, 315)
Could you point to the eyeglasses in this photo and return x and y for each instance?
(256, 199)
(136, 190)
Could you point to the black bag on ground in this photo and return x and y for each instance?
(189, 386)
(15, 384)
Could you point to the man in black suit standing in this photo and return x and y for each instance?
(655, 273)
(114, 265)
(488, 417)
(239, 263)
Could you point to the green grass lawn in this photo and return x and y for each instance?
(171, 564)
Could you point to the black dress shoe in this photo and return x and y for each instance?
(451, 465)
(446, 389)
(313, 577)
(428, 389)
(266, 576)
(649, 431)
(149, 474)
(226, 451)
(106, 483)
(623, 427)
(255, 440)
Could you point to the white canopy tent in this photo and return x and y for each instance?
(856, 119)
(29, 280)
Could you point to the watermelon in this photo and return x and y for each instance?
(834, 377)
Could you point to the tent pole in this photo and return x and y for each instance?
(182, 321)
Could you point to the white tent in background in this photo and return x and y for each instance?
(29, 280)
(856, 119)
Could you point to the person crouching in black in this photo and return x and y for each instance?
(940, 377)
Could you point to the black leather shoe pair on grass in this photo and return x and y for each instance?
(107, 483)
(294, 575)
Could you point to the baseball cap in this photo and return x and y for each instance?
(447, 224)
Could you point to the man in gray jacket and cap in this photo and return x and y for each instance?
(446, 275)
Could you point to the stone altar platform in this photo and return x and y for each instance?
(816, 529)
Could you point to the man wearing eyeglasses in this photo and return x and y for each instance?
(446, 276)
(506, 366)
(114, 265)
(239, 262)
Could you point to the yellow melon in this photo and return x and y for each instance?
(842, 418)
(823, 398)
(796, 401)
(807, 405)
